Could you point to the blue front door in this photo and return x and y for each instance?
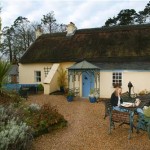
(87, 83)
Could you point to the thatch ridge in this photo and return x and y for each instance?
(117, 43)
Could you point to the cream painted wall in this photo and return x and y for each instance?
(26, 74)
(140, 81)
(106, 87)
(46, 88)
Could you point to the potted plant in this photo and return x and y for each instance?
(70, 96)
(62, 79)
(93, 96)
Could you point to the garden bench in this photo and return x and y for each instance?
(23, 92)
(32, 88)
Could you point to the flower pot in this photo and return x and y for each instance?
(92, 99)
(69, 98)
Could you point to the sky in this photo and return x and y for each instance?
(83, 13)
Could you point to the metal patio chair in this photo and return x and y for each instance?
(121, 117)
(108, 107)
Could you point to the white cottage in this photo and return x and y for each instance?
(94, 58)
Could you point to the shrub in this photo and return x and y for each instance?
(34, 107)
(45, 120)
(143, 92)
(4, 67)
(147, 112)
(10, 97)
(14, 134)
(40, 87)
(70, 93)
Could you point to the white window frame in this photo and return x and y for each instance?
(37, 77)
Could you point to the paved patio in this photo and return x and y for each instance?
(87, 130)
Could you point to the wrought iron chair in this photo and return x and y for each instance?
(121, 117)
(143, 121)
(108, 107)
(144, 124)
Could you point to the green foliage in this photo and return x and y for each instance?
(147, 112)
(17, 38)
(43, 119)
(126, 17)
(4, 67)
(62, 78)
(14, 134)
(11, 97)
(111, 22)
(93, 93)
(34, 107)
(40, 87)
(50, 21)
(130, 16)
(143, 92)
(70, 93)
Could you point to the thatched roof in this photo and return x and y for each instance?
(111, 44)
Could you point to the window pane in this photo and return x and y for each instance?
(37, 76)
(116, 78)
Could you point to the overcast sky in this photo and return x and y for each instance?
(84, 13)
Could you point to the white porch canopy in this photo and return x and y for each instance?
(77, 70)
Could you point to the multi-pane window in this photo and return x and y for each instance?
(117, 78)
(46, 70)
(37, 76)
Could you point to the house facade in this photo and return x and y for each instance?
(96, 58)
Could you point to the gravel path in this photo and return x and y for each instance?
(87, 130)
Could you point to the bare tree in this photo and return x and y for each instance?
(17, 38)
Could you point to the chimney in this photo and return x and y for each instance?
(38, 31)
(71, 29)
